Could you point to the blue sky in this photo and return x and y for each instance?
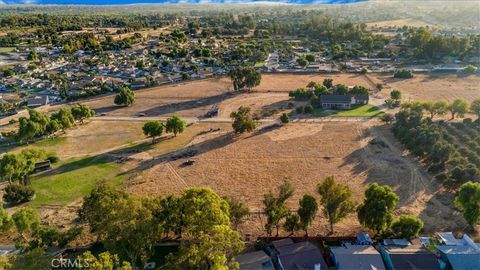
(119, 2)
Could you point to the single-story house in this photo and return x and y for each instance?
(299, 256)
(408, 257)
(257, 260)
(460, 253)
(342, 102)
(350, 256)
(37, 101)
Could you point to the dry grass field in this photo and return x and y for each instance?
(399, 23)
(249, 166)
(432, 87)
(289, 81)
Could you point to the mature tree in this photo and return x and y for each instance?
(212, 249)
(328, 83)
(26, 221)
(395, 94)
(52, 127)
(6, 222)
(435, 108)
(407, 226)
(245, 77)
(14, 167)
(81, 112)
(125, 97)
(238, 211)
(359, 90)
(376, 212)
(125, 225)
(468, 201)
(169, 215)
(307, 211)
(292, 223)
(458, 107)
(32, 259)
(475, 107)
(27, 129)
(104, 261)
(64, 118)
(335, 199)
(242, 120)
(176, 125)
(202, 209)
(341, 89)
(153, 129)
(275, 206)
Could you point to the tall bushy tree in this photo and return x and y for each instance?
(335, 199)
(468, 201)
(475, 107)
(376, 212)
(125, 97)
(176, 125)
(242, 120)
(81, 112)
(64, 118)
(307, 211)
(459, 107)
(238, 211)
(245, 77)
(153, 129)
(275, 206)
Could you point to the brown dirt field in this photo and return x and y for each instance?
(432, 87)
(186, 99)
(260, 103)
(249, 166)
(287, 82)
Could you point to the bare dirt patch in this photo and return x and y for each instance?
(260, 103)
(287, 81)
(249, 166)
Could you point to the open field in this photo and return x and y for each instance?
(399, 23)
(73, 179)
(288, 81)
(92, 138)
(432, 87)
(249, 166)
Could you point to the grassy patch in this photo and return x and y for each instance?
(49, 142)
(6, 49)
(260, 64)
(356, 111)
(73, 179)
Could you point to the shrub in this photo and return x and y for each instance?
(284, 118)
(16, 193)
(308, 109)
(53, 158)
(407, 226)
(299, 109)
(290, 105)
(403, 74)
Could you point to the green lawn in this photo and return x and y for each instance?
(357, 111)
(73, 179)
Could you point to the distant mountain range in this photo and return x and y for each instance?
(123, 2)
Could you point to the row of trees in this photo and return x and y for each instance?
(131, 226)
(39, 124)
(154, 128)
(451, 150)
(375, 213)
